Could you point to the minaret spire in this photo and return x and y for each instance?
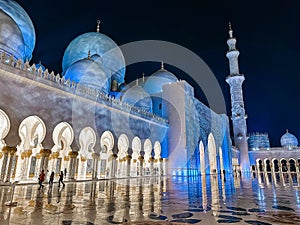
(98, 26)
(238, 115)
(162, 67)
(230, 31)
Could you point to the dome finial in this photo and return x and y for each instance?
(89, 55)
(137, 82)
(98, 26)
(143, 77)
(162, 65)
(230, 30)
(287, 130)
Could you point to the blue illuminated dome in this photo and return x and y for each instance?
(24, 24)
(288, 140)
(110, 55)
(155, 82)
(11, 39)
(88, 73)
(138, 97)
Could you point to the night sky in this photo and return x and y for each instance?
(267, 32)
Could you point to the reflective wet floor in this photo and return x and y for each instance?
(259, 200)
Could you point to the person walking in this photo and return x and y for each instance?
(51, 179)
(61, 179)
(41, 179)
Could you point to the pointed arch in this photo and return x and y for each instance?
(212, 154)
(63, 136)
(157, 150)
(107, 141)
(4, 126)
(202, 158)
(87, 141)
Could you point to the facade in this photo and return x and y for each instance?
(91, 124)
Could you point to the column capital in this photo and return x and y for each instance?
(55, 155)
(141, 158)
(45, 152)
(95, 155)
(73, 154)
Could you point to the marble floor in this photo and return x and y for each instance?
(260, 200)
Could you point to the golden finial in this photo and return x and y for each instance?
(230, 30)
(143, 78)
(89, 54)
(98, 26)
(162, 65)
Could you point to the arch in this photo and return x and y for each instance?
(107, 141)
(4, 125)
(267, 164)
(123, 143)
(157, 150)
(292, 163)
(87, 141)
(32, 132)
(147, 147)
(202, 158)
(136, 146)
(275, 164)
(259, 164)
(283, 163)
(62, 136)
(212, 154)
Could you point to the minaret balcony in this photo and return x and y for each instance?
(232, 54)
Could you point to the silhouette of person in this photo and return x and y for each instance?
(41, 179)
(51, 179)
(61, 179)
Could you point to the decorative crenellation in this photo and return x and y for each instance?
(33, 73)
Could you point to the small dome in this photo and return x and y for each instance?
(89, 73)
(11, 39)
(107, 51)
(24, 23)
(39, 65)
(288, 140)
(155, 82)
(138, 97)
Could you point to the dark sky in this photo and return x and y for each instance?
(268, 35)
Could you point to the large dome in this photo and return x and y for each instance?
(11, 39)
(24, 23)
(89, 73)
(138, 97)
(100, 44)
(155, 82)
(288, 140)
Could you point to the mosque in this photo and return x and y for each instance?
(88, 122)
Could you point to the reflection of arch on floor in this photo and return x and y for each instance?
(212, 154)
(85, 162)
(32, 132)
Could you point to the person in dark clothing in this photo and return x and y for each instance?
(61, 179)
(41, 179)
(51, 179)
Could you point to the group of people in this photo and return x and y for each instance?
(42, 177)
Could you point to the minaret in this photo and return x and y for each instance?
(235, 81)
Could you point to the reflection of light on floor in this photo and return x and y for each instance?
(114, 201)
